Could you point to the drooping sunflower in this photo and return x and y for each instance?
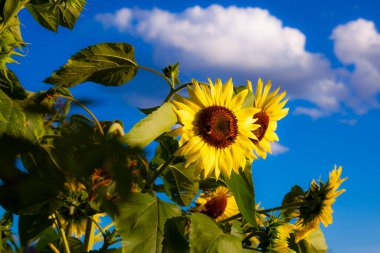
(321, 197)
(216, 131)
(219, 204)
(271, 110)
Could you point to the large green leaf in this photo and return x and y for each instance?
(140, 220)
(207, 237)
(110, 64)
(149, 128)
(241, 186)
(50, 14)
(174, 237)
(179, 183)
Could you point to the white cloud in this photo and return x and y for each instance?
(278, 149)
(248, 43)
(358, 43)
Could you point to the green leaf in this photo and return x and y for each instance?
(317, 239)
(149, 128)
(47, 236)
(17, 121)
(140, 221)
(174, 236)
(31, 226)
(10, 9)
(50, 14)
(13, 118)
(148, 111)
(206, 236)
(240, 185)
(11, 85)
(110, 64)
(179, 183)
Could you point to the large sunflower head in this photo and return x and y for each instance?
(216, 131)
(270, 110)
(219, 204)
(318, 202)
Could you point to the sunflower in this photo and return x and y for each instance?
(72, 215)
(216, 131)
(270, 110)
(278, 238)
(318, 201)
(219, 204)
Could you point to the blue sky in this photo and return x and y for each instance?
(324, 53)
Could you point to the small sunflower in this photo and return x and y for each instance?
(319, 199)
(278, 238)
(270, 110)
(219, 204)
(216, 131)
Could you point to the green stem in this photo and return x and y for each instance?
(89, 236)
(157, 73)
(160, 170)
(295, 204)
(179, 88)
(86, 109)
(61, 232)
(239, 215)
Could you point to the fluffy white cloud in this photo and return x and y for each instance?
(358, 43)
(278, 149)
(250, 42)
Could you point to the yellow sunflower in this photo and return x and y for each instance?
(310, 216)
(219, 204)
(279, 235)
(216, 131)
(271, 110)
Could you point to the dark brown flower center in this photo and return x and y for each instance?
(216, 206)
(217, 126)
(263, 121)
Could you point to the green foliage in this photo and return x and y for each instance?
(149, 128)
(179, 183)
(110, 64)
(242, 188)
(293, 196)
(206, 236)
(51, 14)
(140, 220)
